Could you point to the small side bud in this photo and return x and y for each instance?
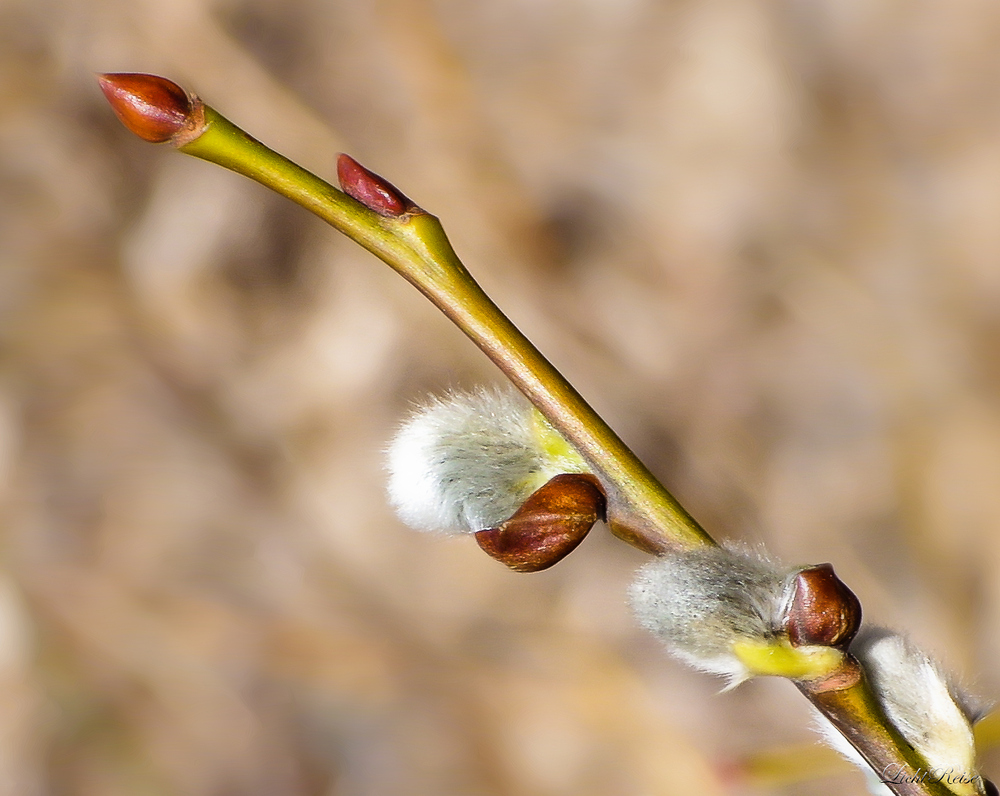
(371, 190)
(154, 108)
(821, 609)
(468, 462)
(926, 706)
(549, 526)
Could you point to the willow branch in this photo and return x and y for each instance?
(375, 215)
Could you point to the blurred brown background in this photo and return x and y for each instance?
(762, 237)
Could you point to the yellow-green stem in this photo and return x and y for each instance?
(640, 509)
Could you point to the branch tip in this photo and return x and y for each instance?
(154, 108)
(371, 190)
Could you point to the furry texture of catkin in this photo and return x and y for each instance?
(930, 710)
(699, 602)
(466, 461)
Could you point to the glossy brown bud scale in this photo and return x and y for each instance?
(821, 609)
(548, 526)
(154, 108)
(372, 191)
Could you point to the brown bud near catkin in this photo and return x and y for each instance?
(154, 108)
(549, 525)
(821, 609)
(371, 190)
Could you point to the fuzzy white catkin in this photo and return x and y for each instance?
(699, 602)
(927, 707)
(468, 460)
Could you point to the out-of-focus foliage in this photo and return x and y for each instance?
(762, 237)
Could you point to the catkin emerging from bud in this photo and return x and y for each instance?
(702, 602)
(739, 614)
(468, 461)
(928, 708)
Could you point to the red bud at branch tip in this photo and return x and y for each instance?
(154, 108)
(371, 190)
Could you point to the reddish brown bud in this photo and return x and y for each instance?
(821, 610)
(154, 108)
(371, 190)
(548, 526)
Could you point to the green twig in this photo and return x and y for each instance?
(640, 509)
